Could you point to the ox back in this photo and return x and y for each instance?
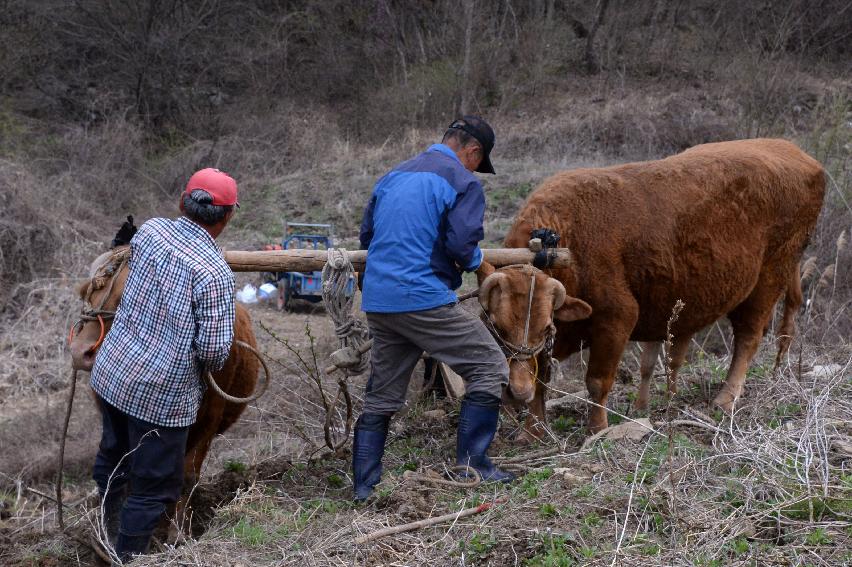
(703, 226)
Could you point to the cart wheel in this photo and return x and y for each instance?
(284, 302)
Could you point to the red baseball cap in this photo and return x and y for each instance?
(219, 184)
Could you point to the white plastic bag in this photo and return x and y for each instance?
(267, 291)
(248, 294)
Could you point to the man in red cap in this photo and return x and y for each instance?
(175, 321)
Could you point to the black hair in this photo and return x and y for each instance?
(459, 135)
(198, 206)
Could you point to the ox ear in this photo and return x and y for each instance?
(82, 288)
(558, 291)
(573, 310)
(488, 285)
(483, 271)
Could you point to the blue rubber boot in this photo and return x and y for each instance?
(477, 427)
(371, 430)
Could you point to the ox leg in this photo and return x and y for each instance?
(748, 321)
(650, 353)
(792, 303)
(605, 353)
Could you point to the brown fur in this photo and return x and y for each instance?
(720, 226)
(237, 377)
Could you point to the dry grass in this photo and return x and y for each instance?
(771, 486)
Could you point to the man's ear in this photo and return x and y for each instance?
(573, 310)
(483, 271)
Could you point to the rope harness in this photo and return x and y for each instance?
(110, 270)
(352, 335)
(524, 351)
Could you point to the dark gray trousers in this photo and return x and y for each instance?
(449, 334)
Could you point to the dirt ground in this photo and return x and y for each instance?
(771, 487)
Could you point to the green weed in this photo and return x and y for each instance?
(548, 510)
(818, 537)
(529, 484)
(563, 423)
(554, 554)
(250, 534)
(234, 466)
(592, 520)
(478, 545)
(739, 546)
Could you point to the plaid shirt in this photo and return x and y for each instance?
(176, 316)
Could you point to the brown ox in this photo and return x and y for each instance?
(721, 227)
(237, 377)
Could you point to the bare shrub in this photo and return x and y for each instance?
(28, 237)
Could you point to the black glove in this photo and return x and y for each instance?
(125, 233)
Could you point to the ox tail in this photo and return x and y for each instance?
(792, 302)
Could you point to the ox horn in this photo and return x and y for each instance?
(487, 285)
(558, 292)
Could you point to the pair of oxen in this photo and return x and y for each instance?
(720, 227)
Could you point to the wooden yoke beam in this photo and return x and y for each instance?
(310, 260)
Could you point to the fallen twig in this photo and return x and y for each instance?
(424, 523)
(529, 457)
(697, 423)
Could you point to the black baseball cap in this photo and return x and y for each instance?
(479, 129)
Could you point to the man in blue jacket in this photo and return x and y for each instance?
(422, 229)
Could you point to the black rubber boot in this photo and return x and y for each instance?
(477, 427)
(129, 545)
(111, 507)
(371, 430)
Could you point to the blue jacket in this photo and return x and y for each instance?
(421, 228)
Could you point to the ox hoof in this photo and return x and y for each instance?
(725, 401)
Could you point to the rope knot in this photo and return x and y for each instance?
(338, 294)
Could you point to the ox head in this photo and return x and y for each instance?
(522, 303)
(101, 294)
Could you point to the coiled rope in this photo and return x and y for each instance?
(259, 391)
(338, 294)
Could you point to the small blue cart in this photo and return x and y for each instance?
(304, 285)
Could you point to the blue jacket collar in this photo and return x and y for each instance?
(444, 149)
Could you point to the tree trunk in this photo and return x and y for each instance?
(464, 105)
(593, 62)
